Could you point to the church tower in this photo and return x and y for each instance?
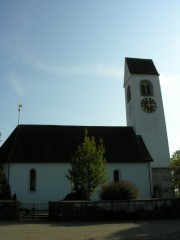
(145, 113)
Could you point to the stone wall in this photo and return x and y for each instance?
(162, 183)
(114, 210)
(9, 210)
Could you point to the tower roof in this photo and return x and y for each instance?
(141, 66)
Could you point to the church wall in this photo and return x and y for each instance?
(137, 173)
(151, 126)
(126, 74)
(162, 183)
(51, 184)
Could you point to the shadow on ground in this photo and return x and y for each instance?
(155, 230)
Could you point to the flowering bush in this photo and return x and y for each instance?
(122, 190)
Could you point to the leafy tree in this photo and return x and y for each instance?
(88, 170)
(175, 166)
(5, 192)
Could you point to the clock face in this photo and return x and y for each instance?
(148, 105)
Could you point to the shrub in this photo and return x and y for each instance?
(5, 191)
(79, 195)
(122, 190)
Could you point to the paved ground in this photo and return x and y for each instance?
(140, 230)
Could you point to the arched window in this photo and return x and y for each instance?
(116, 175)
(32, 182)
(128, 94)
(146, 88)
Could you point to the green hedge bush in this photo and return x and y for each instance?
(78, 195)
(122, 190)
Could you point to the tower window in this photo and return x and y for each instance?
(128, 94)
(32, 182)
(146, 88)
(116, 175)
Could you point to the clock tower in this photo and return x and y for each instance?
(145, 113)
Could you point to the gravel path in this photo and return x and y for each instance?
(146, 230)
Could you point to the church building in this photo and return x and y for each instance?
(37, 157)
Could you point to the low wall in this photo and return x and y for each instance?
(114, 210)
(9, 210)
(100, 210)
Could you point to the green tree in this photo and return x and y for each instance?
(175, 166)
(88, 170)
(5, 192)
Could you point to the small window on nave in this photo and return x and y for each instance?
(146, 88)
(32, 180)
(128, 94)
(117, 175)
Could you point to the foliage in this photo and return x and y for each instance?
(175, 166)
(79, 195)
(88, 170)
(5, 193)
(122, 190)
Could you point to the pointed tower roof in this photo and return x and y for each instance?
(141, 66)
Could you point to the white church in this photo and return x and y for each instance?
(37, 157)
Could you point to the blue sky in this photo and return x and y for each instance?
(63, 60)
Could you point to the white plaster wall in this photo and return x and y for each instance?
(151, 126)
(126, 74)
(137, 173)
(52, 184)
